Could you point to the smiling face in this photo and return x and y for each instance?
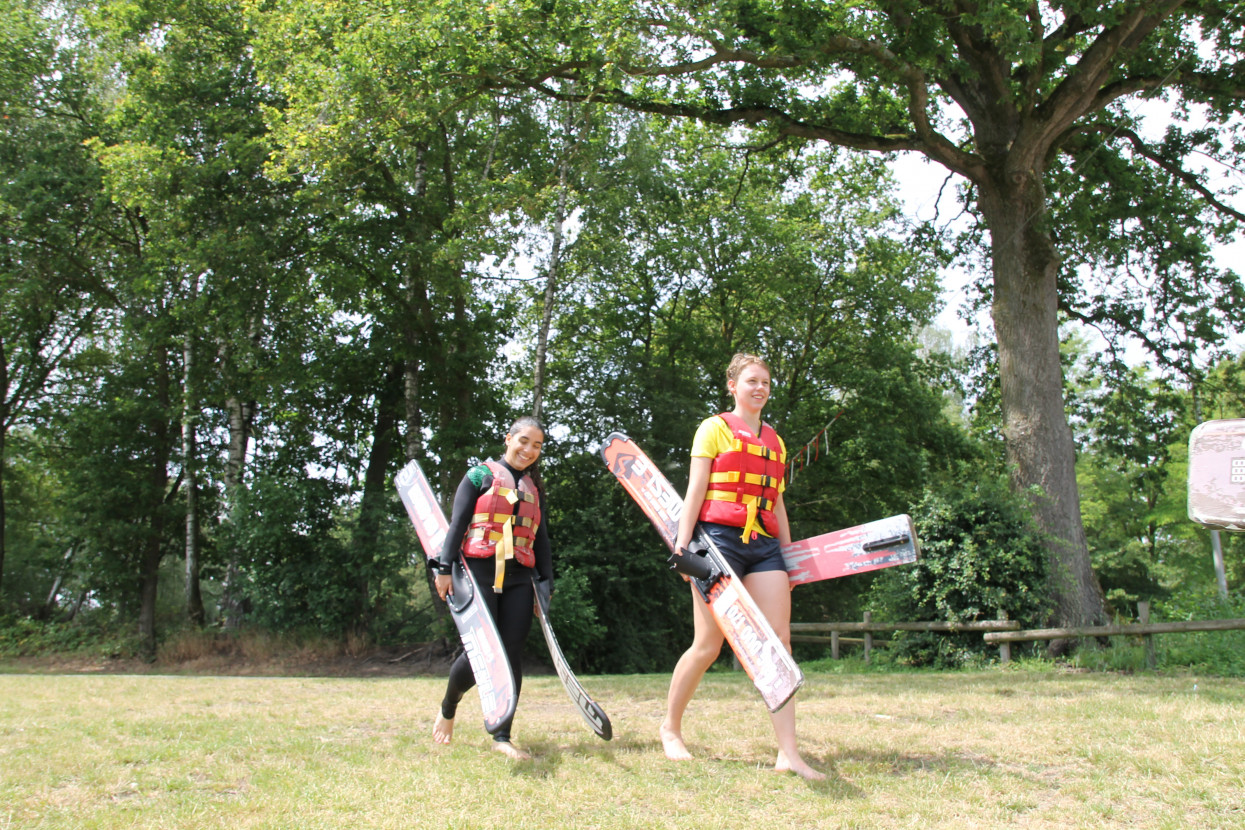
(750, 389)
(523, 446)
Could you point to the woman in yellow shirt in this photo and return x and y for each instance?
(734, 493)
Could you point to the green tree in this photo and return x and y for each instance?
(1012, 98)
(53, 219)
(185, 154)
(417, 188)
(689, 250)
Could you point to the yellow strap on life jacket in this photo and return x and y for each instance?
(502, 518)
(751, 503)
(494, 535)
(518, 495)
(505, 545)
(753, 449)
(734, 476)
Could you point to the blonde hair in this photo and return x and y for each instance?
(741, 361)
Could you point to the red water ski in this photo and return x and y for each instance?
(853, 550)
(760, 651)
(482, 643)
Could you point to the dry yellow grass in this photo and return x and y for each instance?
(991, 749)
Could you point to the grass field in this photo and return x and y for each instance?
(989, 749)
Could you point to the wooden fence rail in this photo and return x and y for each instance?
(1004, 632)
(1132, 629)
(808, 632)
(1142, 628)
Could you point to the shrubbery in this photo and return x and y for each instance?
(980, 555)
(1207, 652)
(93, 634)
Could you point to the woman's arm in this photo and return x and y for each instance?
(540, 545)
(697, 486)
(460, 517)
(780, 513)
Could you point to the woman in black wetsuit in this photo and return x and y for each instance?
(496, 525)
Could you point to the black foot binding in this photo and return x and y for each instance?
(690, 563)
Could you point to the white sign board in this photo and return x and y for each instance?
(1217, 474)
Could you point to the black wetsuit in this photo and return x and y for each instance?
(512, 608)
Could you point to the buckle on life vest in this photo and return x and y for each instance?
(502, 518)
(752, 504)
(494, 535)
(762, 450)
(743, 498)
(733, 476)
(514, 496)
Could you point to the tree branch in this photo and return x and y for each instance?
(1078, 93)
(1189, 178)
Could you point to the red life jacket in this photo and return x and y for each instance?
(505, 521)
(743, 481)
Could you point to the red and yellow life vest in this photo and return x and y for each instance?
(505, 521)
(743, 481)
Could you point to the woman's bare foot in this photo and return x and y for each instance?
(797, 765)
(672, 743)
(511, 751)
(443, 729)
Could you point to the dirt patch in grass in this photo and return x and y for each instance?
(419, 660)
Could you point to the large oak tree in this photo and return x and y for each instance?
(1019, 99)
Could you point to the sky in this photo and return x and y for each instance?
(919, 183)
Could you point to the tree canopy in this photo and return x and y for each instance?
(1030, 104)
(257, 256)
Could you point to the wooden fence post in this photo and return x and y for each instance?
(834, 645)
(1143, 617)
(1005, 649)
(868, 636)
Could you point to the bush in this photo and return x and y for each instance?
(1206, 652)
(573, 619)
(980, 554)
(95, 634)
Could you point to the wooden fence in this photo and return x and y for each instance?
(1142, 628)
(814, 632)
(1003, 631)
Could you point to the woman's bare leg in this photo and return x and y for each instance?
(704, 650)
(772, 592)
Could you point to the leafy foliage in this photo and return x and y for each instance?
(317, 238)
(1220, 653)
(297, 572)
(980, 556)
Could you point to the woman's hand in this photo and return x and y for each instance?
(443, 585)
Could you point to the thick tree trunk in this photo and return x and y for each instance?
(374, 504)
(1039, 442)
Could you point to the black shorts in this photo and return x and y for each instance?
(760, 553)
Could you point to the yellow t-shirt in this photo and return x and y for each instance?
(714, 437)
